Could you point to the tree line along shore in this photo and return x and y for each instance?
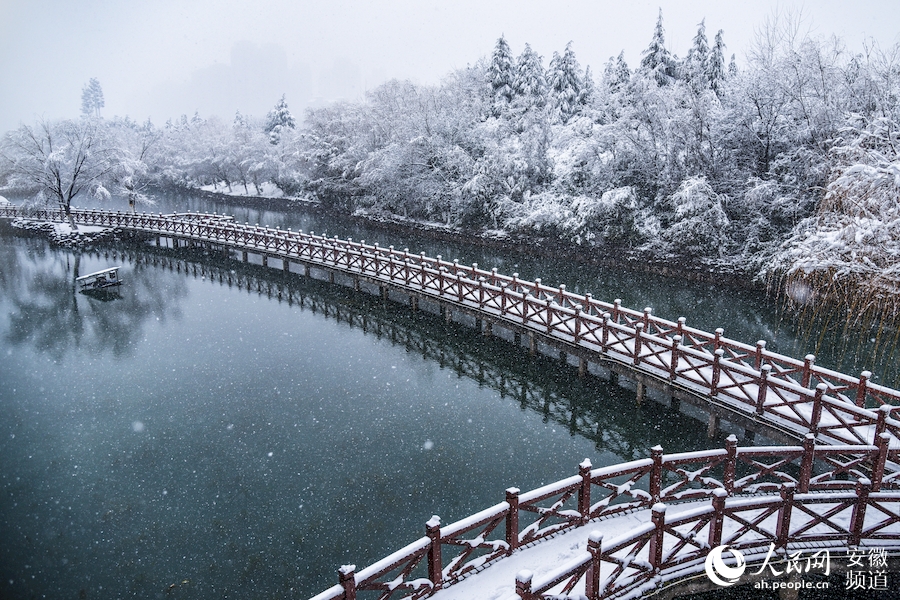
(782, 170)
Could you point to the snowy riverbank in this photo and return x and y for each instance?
(63, 234)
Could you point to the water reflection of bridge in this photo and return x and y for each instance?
(591, 407)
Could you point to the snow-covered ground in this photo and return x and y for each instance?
(266, 189)
(65, 229)
(499, 579)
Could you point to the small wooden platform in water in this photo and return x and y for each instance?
(100, 279)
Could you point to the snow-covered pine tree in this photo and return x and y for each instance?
(616, 73)
(695, 63)
(587, 87)
(277, 119)
(715, 65)
(657, 59)
(530, 85)
(732, 67)
(501, 74)
(92, 98)
(564, 81)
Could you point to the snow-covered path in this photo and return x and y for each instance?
(498, 581)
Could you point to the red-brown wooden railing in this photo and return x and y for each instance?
(667, 548)
(736, 480)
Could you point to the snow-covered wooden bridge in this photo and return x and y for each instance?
(840, 480)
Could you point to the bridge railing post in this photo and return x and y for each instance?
(435, 565)
(861, 388)
(806, 462)
(549, 310)
(604, 333)
(655, 485)
(817, 409)
(584, 494)
(592, 577)
(673, 365)
(659, 530)
(762, 392)
(577, 325)
(718, 518)
(858, 519)
(523, 584)
(638, 328)
(760, 348)
(347, 578)
(883, 442)
(717, 371)
(481, 292)
(884, 411)
(731, 444)
(808, 362)
(512, 520)
(783, 527)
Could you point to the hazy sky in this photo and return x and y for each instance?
(162, 58)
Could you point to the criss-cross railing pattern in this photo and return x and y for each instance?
(851, 418)
(747, 498)
(668, 548)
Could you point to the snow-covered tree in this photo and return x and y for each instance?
(277, 120)
(60, 160)
(530, 85)
(135, 146)
(586, 94)
(616, 73)
(92, 99)
(715, 65)
(502, 74)
(565, 81)
(699, 224)
(657, 59)
(695, 63)
(849, 252)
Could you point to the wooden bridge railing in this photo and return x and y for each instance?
(737, 481)
(667, 549)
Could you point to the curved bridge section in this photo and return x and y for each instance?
(756, 500)
(836, 489)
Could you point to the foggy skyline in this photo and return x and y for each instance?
(163, 58)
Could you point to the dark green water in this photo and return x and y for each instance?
(234, 444)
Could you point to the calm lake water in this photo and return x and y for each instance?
(194, 439)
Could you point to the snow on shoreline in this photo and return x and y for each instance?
(266, 190)
(63, 234)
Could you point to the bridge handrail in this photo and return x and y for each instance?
(854, 461)
(655, 553)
